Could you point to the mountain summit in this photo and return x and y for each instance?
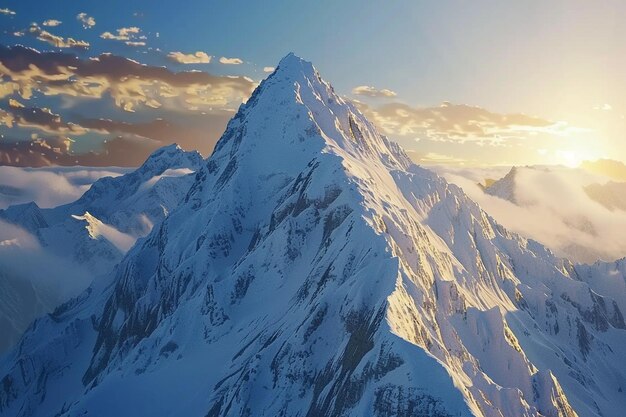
(313, 270)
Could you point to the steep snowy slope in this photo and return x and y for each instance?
(20, 303)
(313, 270)
(83, 244)
(133, 202)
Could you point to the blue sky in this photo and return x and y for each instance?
(562, 61)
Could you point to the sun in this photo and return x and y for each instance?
(570, 158)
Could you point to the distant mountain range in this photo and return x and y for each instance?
(87, 237)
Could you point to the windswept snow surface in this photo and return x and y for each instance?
(313, 270)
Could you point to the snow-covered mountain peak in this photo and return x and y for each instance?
(505, 186)
(291, 65)
(312, 270)
(167, 157)
(292, 118)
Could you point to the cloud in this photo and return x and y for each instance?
(34, 152)
(123, 34)
(129, 83)
(23, 259)
(553, 208)
(11, 235)
(434, 158)
(194, 58)
(458, 123)
(135, 43)
(87, 21)
(607, 167)
(52, 22)
(268, 69)
(199, 132)
(603, 107)
(365, 90)
(230, 61)
(48, 187)
(7, 12)
(129, 35)
(42, 119)
(129, 143)
(54, 40)
(56, 150)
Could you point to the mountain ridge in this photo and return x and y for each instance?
(86, 245)
(313, 270)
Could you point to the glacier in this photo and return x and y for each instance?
(311, 269)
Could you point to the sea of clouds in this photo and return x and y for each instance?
(551, 207)
(49, 187)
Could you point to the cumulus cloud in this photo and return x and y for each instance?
(129, 83)
(552, 207)
(459, 123)
(54, 40)
(194, 58)
(123, 34)
(369, 91)
(48, 187)
(87, 21)
(7, 12)
(230, 61)
(268, 69)
(52, 22)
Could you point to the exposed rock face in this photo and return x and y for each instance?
(313, 270)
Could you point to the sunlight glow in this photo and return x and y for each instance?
(571, 159)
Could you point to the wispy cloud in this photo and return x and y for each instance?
(458, 123)
(193, 58)
(41, 151)
(230, 61)
(87, 21)
(42, 119)
(54, 40)
(603, 107)
(268, 69)
(435, 158)
(369, 91)
(135, 43)
(52, 22)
